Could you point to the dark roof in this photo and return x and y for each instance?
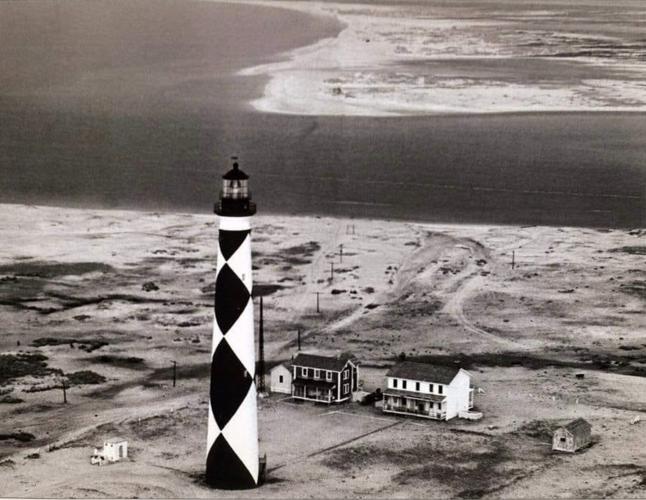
(423, 371)
(115, 440)
(235, 174)
(321, 362)
(415, 395)
(314, 383)
(578, 426)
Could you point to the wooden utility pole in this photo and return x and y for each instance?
(64, 392)
(341, 253)
(513, 259)
(318, 310)
(331, 271)
(261, 349)
(174, 373)
(299, 339)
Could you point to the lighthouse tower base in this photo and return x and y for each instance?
(232, 441)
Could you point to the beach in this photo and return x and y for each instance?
(435, 58)
(114, 297)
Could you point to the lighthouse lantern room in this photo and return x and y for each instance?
(235, 197)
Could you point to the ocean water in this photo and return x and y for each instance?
(135, 104)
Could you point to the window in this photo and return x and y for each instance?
(346, 388)
(304, 372)
(345, 374)
(430, 387)
(417, 386)
(311, 372)
(328, 375)
(403, 384)
(440, 389)
(280, 379)
(395, 383)
(317, 373)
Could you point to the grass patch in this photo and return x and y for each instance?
(479, 469)
(120, 361)
(85, 377)
(294, 261)
(479, 463)
(42, 269)
(88, 345)
(415, 308)
(264, 289)
(542, 430)
(14, 366)
(637, 288)
(586, 360)
(11, 400)
(153, 427)
(633, 249)
(201, 371)
(306, 249)
(298, 254)
(23, 437)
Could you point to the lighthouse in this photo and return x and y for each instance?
(232, 440)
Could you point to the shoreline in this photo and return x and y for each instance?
(366, 71)
(266, 217)
(166, 153)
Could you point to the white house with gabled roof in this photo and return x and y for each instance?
(428, 391)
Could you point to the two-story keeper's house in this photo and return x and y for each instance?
(429, 391)
(326, 379)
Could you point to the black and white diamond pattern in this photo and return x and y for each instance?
(232, 442)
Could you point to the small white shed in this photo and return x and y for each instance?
(114, 449)
(281, 378)
(573, 436)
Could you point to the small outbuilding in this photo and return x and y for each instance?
(280, 378)
(573, 436)
(114, 449)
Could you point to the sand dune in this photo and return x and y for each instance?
(434, 59)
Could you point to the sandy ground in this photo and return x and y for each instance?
(436, 58)
(126, 293)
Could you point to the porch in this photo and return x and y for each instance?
(314, 390)
(415, 404)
